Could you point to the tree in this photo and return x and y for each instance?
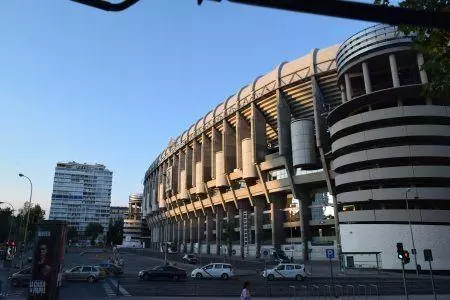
(5, 223)
(37, 215)
(115, 232)
(433, 43)
(72, 233)
(93, 230)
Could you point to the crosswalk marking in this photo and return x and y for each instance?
(122, 290)
(108, 290)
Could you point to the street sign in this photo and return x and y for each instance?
(329, 253)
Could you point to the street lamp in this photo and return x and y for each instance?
(11, 219)
(411, 231)
(28, 218)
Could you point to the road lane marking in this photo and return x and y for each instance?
(121, 288)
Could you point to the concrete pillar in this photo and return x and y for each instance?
(241, 232)
(192, 233)
(229, 147)
(348, 86)
(277, 220)
(219, 216)
(206, 157)
(242, 132)
(200, 231)
(343, 95)
(231, 212)
(366, 74)
(216, 146)
(283, 125)
(258, 220)
(394, 70)
(188, 166)
(422, 72)
(184, 235)
(258, 134)
(209, 228)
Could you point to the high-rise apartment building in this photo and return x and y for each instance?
(81, 195)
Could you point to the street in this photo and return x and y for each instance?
(129, 284)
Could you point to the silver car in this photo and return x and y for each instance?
(83, 273)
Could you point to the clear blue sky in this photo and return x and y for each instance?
(85, 85)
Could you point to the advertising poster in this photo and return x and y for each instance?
(47, 258)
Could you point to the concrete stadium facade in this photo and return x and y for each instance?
(319, 153)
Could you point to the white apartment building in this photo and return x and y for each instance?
(81, 194)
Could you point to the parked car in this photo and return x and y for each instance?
(163, 273)
(190, 258)
(83, 273)
(103, 271)
(111, 269)
(286, 271)
(215, 270)
(21, 277)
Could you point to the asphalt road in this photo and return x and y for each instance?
(129, 284)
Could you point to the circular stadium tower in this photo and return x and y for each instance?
(390, 153)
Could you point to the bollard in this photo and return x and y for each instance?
(348, 287)
(117, 292)
(338, 288)
(305, 289)
(290, 295)
(376, 290)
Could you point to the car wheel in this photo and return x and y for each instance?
(15, 282)
(146, 277)
(175, 278)
(271, 277)
(91, 279)
(299, 277)
(225, 276)
(198, 276)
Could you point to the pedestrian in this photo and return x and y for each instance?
(245, 294)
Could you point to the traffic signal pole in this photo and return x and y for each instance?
(404, 280)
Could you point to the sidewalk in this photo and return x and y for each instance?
(400, 297)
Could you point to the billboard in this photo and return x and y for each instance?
(47, 257)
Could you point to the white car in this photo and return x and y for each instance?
(286, 271)
(215, 270)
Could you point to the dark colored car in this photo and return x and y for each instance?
(112, 269)
(21, 277)
(163, 273)
(190, 258)
(280, 257)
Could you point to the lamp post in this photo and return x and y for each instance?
(411, 231)
(11, 219)
(28, 218)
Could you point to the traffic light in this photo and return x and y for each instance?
(400, 251)
(406, 258)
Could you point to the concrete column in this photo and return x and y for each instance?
(394, 70)
(283, 125)
(241, 231)
(219, 216)
(193, 233)
(200, 231)
(258, 217)
(229, 147)
(423, 73)
(184, 235)
(258, 134)
(209, 228)
(216, 146)
(174, 232)
(343, 96)
(277, 221)
(230, 222)
(206, 157)
(366, 74)
(348, 86)
(242, 132)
